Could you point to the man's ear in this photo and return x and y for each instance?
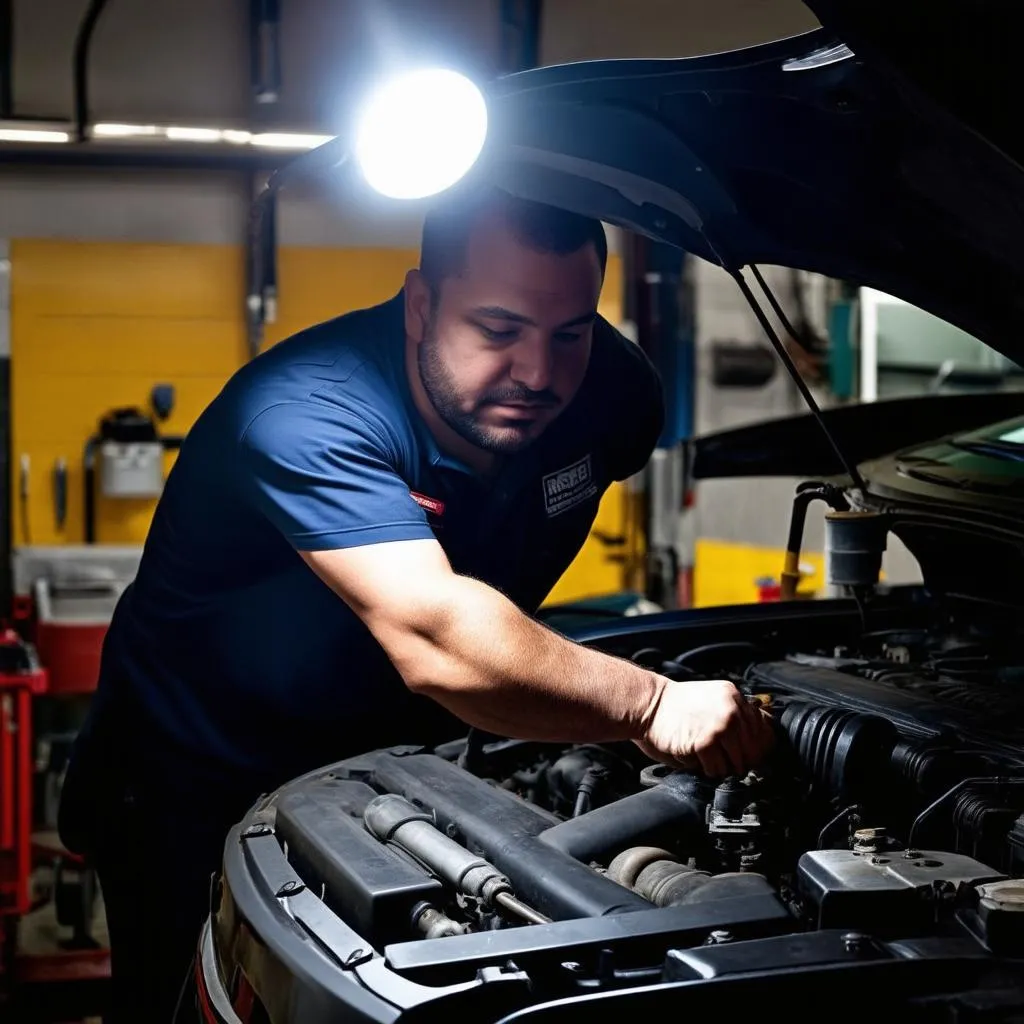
(418, 300)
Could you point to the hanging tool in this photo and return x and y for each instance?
(60, 492)
(23, 492)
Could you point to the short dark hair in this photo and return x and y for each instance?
(544, 228)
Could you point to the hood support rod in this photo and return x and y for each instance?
(787, 361)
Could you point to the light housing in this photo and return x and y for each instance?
(420, 133)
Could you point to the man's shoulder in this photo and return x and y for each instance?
(335, 368)
(620, 365)
(621, 374)
(625, 399)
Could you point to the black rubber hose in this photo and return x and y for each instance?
(652, 817)
(505, 830)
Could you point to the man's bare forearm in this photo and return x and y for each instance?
(499, 670)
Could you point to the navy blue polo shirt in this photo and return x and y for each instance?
(229, 647)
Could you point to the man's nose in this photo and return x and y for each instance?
(533, 364)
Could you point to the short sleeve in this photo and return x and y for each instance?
(327, 478)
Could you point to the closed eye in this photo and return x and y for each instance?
(567, 337)
(492, 335)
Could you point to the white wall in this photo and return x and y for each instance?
(188, 60)
(202, 207)
(597, 29)
(187, 63)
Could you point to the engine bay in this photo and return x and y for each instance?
(885, 835)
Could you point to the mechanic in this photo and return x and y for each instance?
(347, 553)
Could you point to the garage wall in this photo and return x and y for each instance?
(188, 60)
(187, 63)
(94, 325)
(596, 29)
(743, 524)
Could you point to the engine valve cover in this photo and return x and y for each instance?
(899, 891)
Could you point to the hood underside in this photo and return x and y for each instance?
(890, 163)
(796, 446)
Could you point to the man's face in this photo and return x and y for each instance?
(503, 347)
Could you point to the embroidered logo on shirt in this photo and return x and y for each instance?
(566, 488)
(430, 504)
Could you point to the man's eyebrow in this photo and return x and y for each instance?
(501, 313)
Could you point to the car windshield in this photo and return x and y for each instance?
(1002, 441)
(992, 456)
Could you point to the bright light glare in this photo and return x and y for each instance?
(183, 134)
(123, 131)
(289, 140)
(32, 135)
(420, 133)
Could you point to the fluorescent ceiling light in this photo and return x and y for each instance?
(289, 140)
(185, 133)
(33, 135)
(123, 131)
(194, 134)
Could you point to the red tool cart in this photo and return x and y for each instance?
(63, 600)
(21, 678)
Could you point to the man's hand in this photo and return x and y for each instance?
(707, 724)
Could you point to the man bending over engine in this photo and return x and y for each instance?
(347, 554)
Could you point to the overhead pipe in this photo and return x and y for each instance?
(83, 43)
(6, 59)
(520, 34)
(261, 267)
(261, 236)
(265, 50)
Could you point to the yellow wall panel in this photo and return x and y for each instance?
(93, 327)
(96, 325)
(131, 346)
(319, 284)
(599, 569)
(128, 279)
(725, 572)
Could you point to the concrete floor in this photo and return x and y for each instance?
(40, 934)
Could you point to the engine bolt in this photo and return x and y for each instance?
(855, 942)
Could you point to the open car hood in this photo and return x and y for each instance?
(840, 151)
(796, 446)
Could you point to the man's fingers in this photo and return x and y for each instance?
(748, 738)
(714, 761)
(743, 742)
(762, 728)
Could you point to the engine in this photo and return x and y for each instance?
(886, 832)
